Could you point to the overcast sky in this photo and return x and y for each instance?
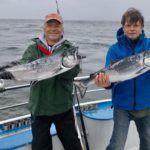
(72, 9)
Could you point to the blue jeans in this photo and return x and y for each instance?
(122, 120)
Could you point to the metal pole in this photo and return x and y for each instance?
(57, 7)
(14, 87)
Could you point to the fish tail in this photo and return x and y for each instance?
(2, 83)
(81, 86)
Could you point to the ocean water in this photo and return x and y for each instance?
(92, 37)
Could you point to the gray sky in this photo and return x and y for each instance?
(72, 9)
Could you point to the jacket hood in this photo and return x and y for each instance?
(120, 34)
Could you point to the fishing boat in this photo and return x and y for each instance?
(16, 134)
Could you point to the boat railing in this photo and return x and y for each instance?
(3, 89)
(25, 103)
(25, 120)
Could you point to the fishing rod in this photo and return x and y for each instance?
(82, 120)
(57, 7)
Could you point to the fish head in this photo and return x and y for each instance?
(69, 57)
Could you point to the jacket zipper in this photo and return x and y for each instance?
(134, 91)
(134, 104)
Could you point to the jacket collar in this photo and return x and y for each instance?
(43, 40)
(122, 38)
(44, 47)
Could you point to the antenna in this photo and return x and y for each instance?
(57, 7)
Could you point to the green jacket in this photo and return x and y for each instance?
(50, 96)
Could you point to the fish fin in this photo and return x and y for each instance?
(81, 56)
(140, 71)
(114, 61)
(81, 87)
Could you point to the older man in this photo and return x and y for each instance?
(51, 100)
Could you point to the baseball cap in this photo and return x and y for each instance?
(54, 16)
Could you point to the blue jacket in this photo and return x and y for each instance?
(132, 94)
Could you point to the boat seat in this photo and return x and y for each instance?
(103, 111)
(20, 138)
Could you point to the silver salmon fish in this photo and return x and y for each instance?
(124, 69)
(46, 67)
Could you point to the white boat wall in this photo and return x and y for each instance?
(99, 126)
(15, 134)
